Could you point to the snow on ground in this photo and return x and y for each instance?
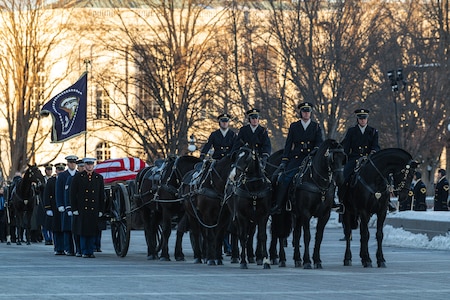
(401, 238)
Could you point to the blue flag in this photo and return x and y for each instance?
(68, 110)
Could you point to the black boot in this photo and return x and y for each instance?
(281, 193)
(391, 206)
(341, 194)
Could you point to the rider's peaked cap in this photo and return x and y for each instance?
(305, 106)
(223, 116)
(80, 162)
(362, 113)
(72, 158)
(253, 111)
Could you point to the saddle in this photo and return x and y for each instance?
(154, 173)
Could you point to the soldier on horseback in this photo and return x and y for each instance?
(303, 137)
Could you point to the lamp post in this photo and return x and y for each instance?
(191, 146)
(395, 78)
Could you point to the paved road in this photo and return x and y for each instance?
(33, 272)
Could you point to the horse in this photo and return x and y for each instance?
(368, 192)
(206, 208)
(145, 186)
(313, 196)
(281, 224)
(23, 201)
(170, 202)
(248, 192)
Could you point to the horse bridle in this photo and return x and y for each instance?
(389, 187)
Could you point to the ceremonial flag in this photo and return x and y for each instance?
(68, 110)
(120, 169)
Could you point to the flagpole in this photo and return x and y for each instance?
(87, 62)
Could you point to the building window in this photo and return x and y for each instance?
(102, 103)
(38, 89)
(103, 151)
(146, 107)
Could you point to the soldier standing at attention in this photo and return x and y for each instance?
(87, 199)
(420, 193)
(221, 140)
(441, 192)
(63, 182)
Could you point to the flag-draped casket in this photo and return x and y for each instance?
(120, 169)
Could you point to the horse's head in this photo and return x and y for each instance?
(332, 158)
(247, 161)
(402, 179)
(34, 176)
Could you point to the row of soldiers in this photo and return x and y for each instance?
(74, 203)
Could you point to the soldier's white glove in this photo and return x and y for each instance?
(76, 213)
(61, 208)
(49, 213)
(100, 214)
(69, 213)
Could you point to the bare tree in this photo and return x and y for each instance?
(28, 34)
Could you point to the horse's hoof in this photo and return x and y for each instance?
(28, 243)
(251, 260)
(234, 260)
(259, 262)
(367, 265)
(180, 258)
(382, 264)
(198, 261)
(282, 264)
(164, 259)
(347, 263)
(152, 257)
(220, 262)
(243, 266)
(274, 261)
(266, 266)
(298, 264)
(211, 262)
(318, 266)
(8, 243)
(307, 266)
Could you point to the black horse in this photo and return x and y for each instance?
(314, 191)
(206, 208)
(281, 224)
(368, 191)
(249, 192)
(171, 203)
(23, 201)
(145, 186)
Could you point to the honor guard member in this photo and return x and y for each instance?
(420, 193)
(255, 136)
(303, 137)
(441, 192)
(63, 182)
(406, 204)
(51, 209)
(360, 141)
(88, 203)
(46, 231)
(221, 140)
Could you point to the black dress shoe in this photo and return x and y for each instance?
(59, 253)
(78, 255)
(85, 256)
(70, 254)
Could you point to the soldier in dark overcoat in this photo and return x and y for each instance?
(441, 192)
(221, 140)
(63, 183)
(53, 221)
(303, 137)
(420, 193)
(254, 135)
(88, 203)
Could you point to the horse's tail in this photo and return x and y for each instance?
(281, 224)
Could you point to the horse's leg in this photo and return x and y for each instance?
(234, 247)
(379, 235)
(282, 262)
(306, 241)
(166, 230)
(296, 235)
(364, 251)
(179, 255)
(320, 228)
(29, 214)
(273, 249)
(243, 229)
(348, 233)
(151, 225)
(19, 228)
(262, 242)
(251, 229)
